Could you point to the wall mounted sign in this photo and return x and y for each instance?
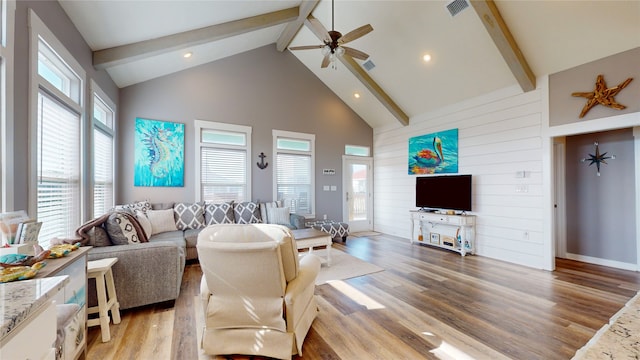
(602, 95)
(434, 153)
(159, 153)
(598, 158)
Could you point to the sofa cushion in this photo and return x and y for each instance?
(144, 222)
(278, 215)
(247, 213)
(98, 237)
(175, 236)
(161, 221)
(219, 213)
(121, 230)
(189, 215)
(191, 237)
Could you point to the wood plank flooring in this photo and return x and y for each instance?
(427, 304)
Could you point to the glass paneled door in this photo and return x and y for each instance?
(357, 183)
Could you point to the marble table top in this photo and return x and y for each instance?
(19, 299)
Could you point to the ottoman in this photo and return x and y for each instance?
(334, 228)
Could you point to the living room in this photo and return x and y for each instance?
(509, 142)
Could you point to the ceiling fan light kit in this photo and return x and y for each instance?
(334, 41)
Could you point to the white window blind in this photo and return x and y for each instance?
(103, 172)
(58, 167)
(294, 182)
(223, 175)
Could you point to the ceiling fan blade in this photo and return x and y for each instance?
(355, 53)
(326, 60)
(307, 47)
(319, 30)
(355, 34)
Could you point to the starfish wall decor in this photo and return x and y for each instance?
(598, 158)
(602, 95)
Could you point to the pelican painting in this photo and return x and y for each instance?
(434, 153)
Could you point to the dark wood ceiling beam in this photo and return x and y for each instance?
(306, 7)
(106, 58)
(377, 91)
(499, 32)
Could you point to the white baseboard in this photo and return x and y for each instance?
(603, 262)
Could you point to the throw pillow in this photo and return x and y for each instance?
(278, 215)
(161, 221)
(120, 229)
(144, 222)
(98, 237)
(189, 215)
(143, 206)
(219, 213)
(247, 213)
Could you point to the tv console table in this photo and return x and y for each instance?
(451, 232)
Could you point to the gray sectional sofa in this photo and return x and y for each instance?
(150, 268)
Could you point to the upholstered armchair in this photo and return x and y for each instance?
(257, 296)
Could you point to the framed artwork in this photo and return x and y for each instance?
(434, 153)
(159, 153)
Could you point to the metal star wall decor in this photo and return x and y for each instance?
(602, 95)
(598, 158)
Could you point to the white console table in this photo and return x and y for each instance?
(451, 232)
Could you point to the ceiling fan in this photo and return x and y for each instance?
(334, 41)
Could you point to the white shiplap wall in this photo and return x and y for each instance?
(500, 134)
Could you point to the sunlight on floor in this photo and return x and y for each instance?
(447, 351)
(355, 295)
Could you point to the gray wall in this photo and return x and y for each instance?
(565, 109)
(57, 21)
(601, 216)
(262, 88)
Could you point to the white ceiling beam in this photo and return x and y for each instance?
(377, 91)
(306, 7)
(106, 58)
(499, 32)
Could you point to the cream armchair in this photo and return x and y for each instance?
(257, 297)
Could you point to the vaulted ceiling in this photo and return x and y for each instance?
(486, 47)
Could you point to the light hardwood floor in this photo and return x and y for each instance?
(427, 304)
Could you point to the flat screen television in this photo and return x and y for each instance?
(444, 192)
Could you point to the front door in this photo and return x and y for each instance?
(358, 189)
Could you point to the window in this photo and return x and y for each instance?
(103, 152)
(7, 15)
(356, 150)
(294, 171)
(223, 162)
(56, 101)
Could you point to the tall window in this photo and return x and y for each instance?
(223, 162)
(57, 91)
(103, 148)
(294, 171)
(7, 15)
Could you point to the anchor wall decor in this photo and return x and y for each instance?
(262, 165)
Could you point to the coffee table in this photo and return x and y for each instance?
(310, 238)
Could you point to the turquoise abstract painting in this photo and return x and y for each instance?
(159, 153)
(434, 153)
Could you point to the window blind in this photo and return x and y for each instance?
(58, 169)
(103, 172)
(293, 179)
(223, 174)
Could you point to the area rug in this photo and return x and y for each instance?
(619, 339)
(365, 233)
(343, 266)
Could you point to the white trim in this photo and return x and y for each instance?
(595, 125)
(603, 262)
(296, 136)
(548, 249)
(212, 125)
(6, 106)
(636, 150)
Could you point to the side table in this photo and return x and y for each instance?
(310, 238)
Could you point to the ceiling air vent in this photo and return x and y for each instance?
(457, 6)
(368, 65)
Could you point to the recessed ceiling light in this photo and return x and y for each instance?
(356, 95)
(426, 57)
(187, 55)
